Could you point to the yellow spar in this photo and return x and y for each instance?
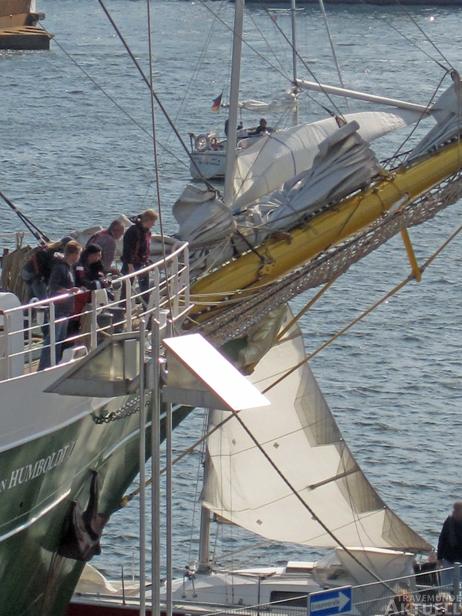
(326, 229)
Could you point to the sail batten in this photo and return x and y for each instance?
(300, 435)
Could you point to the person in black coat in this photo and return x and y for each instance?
(90, 269)
(450, 543)
(62, 282)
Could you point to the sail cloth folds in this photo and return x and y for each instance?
(344, 163)
(300, 435)
(274, 159)
(448, 115)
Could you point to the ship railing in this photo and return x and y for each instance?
(27, 331)
(434, 591)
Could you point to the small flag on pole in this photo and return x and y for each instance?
(216, 104)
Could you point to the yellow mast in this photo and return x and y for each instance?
(348, 217)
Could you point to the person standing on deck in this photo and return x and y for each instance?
(107, 241)
(450, 543)
(263, 127)
(137, 248)
(62, 280)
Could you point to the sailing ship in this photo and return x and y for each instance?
(19, 27)
(244, 260)
(279, 477)
(65, 460)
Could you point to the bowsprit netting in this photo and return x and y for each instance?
(328, 265)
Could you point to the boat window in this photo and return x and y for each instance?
(289, 599)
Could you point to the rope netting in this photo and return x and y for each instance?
(328, 265)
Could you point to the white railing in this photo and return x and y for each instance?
(31, 330)
(435, 591)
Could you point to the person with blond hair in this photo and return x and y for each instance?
(137, 247)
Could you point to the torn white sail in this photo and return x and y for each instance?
(275, 158)
(300, 435)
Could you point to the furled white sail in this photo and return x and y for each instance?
(273, 159)
(300, 435)
(277, 104)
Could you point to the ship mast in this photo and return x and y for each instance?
(293, 8)
(204, 533)
(234, 102)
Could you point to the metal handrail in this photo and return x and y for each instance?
(167, 289)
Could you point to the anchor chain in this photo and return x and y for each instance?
(129, 408)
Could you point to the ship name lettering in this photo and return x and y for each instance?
(42, 466)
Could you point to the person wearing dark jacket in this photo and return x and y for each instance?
(450, 543)
(62, 281)
(90, 269)
(37, 269)
(137, 248)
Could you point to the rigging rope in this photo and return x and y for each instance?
(244, 42)
(335, 260)
(114, 101)
(302, 501)
(409, 40)
(129, 497)
(269, 46)
(156, 98)
(368, 311)
(423, 115)
(155, 154)
(32, 227)
(310, 71)
(432, 43)
(332, 46)
(195, 71)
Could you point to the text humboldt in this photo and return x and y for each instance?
(42, 466)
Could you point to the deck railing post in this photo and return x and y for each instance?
(93, 322)
(52, 326)
(456, 587)
(176, 288)
(156, 293)
(186, 277)
(128, 303)
(29, 338)
(7, 343)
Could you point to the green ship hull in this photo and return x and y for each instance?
(39, 482)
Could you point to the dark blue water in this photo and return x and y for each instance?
(70, 158)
